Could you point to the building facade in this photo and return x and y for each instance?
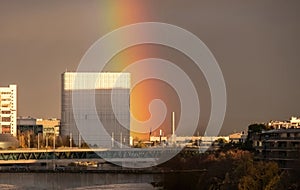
(238, 137)
(21, 120)
(30, 129)
(8, 110)
(50, 126)
(280, 145)
(47, 127)
(294, 122)
(108, 90)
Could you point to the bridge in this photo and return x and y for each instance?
(129, 156)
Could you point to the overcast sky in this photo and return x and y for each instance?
(255, 43)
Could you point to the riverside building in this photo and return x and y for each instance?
(280, 145)
(80, 121)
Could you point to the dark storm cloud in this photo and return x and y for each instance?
(255, 43)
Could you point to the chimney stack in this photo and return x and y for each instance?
(173, 123)
(173, 136)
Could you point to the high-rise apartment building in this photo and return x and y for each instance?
(8, 110)
(108, 90)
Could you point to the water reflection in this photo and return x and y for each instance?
(129, 186)
(37, 181)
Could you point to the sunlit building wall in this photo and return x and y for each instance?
(50, 126)
(83, 84)
(8, 110)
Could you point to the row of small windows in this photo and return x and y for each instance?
(5, 99)
(6, 119)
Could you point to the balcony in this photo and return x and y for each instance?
(282, 138)
(279, 149)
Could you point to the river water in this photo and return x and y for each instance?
(77, 181)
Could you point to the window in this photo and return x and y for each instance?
(6, 119)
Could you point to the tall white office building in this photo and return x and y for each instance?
(100, 86)
(8, 110)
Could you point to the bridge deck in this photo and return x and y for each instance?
(28, 155)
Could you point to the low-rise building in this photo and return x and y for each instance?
(44, 126)
(31, 129)
(203, 142)
(21, 120)
(294, 122)
(238, 137)
(50, 126)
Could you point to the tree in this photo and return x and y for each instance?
(253, 129)
(221, 141)
(260, 175)
(257, 127)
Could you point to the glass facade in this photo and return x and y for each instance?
(109, 90)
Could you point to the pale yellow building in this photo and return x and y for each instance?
(50, 126)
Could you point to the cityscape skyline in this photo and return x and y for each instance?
(255, 44)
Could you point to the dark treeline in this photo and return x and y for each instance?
(231, 168)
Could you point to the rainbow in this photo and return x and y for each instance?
(116, 14)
